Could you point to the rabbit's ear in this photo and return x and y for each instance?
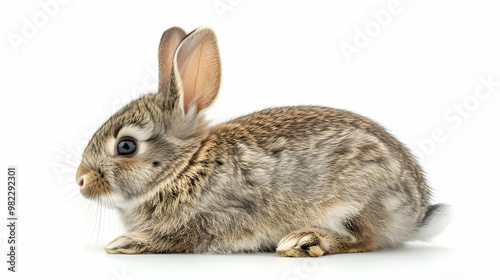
(168, 44)
(197, 70)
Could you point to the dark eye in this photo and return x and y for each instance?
(126, 147)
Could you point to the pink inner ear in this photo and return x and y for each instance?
(198, 66)
(189, 61)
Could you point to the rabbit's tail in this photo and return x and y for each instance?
(437, 218)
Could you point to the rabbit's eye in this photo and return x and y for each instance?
(126, 147)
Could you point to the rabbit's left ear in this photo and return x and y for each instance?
(197, 70)
(168, 45)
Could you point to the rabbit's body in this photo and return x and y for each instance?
(257, 178)
(319, 180)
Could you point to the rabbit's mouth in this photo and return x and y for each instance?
(92, 184)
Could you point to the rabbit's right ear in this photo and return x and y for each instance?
(196, 71)
(168, 45)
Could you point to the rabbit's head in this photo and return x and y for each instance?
(153, 138)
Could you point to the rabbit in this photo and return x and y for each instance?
(302, 181)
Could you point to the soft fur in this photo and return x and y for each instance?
(305, 181)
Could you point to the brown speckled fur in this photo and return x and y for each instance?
(321, 180)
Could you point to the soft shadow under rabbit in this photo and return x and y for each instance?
(304, 181)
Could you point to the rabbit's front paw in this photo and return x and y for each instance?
(301, 244)
(132, 243)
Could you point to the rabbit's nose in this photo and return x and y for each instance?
(80, 181)
(80, 176)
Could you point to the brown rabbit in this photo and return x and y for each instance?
(304, 181)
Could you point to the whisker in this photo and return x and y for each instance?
(80, 201)
(109, 215)
(114, 224)
(76, 196)
(72, 165)
(64, 185)
(62, 146)
(69, 193)
(93, 207)
(89, 206)
(68, 156)
(115, 214)
(99, 220)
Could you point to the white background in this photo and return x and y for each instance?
(82, 60)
